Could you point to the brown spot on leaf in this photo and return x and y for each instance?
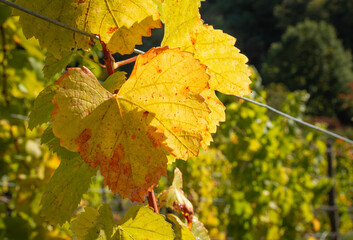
(133, 136)
(145, 114)
(176, 128)
(112, 29)
(193, 40)
(126, 169)
(185, 90)
(119, 153)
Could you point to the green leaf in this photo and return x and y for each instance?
(107, 220)
(41, 112)
(65, 189)
(5, 12)
(114, 82)
(87, 225)
(140, 222)
(16, 228)
(181, 229)
(53, 144)
(55, 65)
(199, 230)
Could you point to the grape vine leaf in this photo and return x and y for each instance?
(140, 223)
(123, 133)
(87, 225)
(114, 21)
(114, 82)
(185, 29)
(55, 65)
(41, 111)
(65, 189)
(182, 231)
(170, 82)
(175, 199)
(217, 115)
(53, 143)
(199, 230)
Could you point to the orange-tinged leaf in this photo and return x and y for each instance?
(160, 105)
(103, 18)
(227, 67)
(169, 83)
(99, 125)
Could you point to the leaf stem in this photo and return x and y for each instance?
(152, 201)
(108, 59)
(124, 62)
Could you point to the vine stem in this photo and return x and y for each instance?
(124, 62)
(152, 201)
(108, 59)
(4, 75)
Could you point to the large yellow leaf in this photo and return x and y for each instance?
(119, 23)
(168, 82)
(217, 115)
(159, 105)
(227, 67)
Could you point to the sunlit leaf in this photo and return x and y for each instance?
(198, 230)
(114, 82)
(123, 133)
(185, 29)
(140, 223)
(119, 23)
(182, 231)
(169, 83)
(217, 115)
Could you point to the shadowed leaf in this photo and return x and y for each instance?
(65, 189)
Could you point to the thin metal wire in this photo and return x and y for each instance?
(142, 52)
(296, 119)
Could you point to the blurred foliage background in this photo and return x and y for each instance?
(264, 177)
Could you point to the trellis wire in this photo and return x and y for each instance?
(296, 119)
(142, 52)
